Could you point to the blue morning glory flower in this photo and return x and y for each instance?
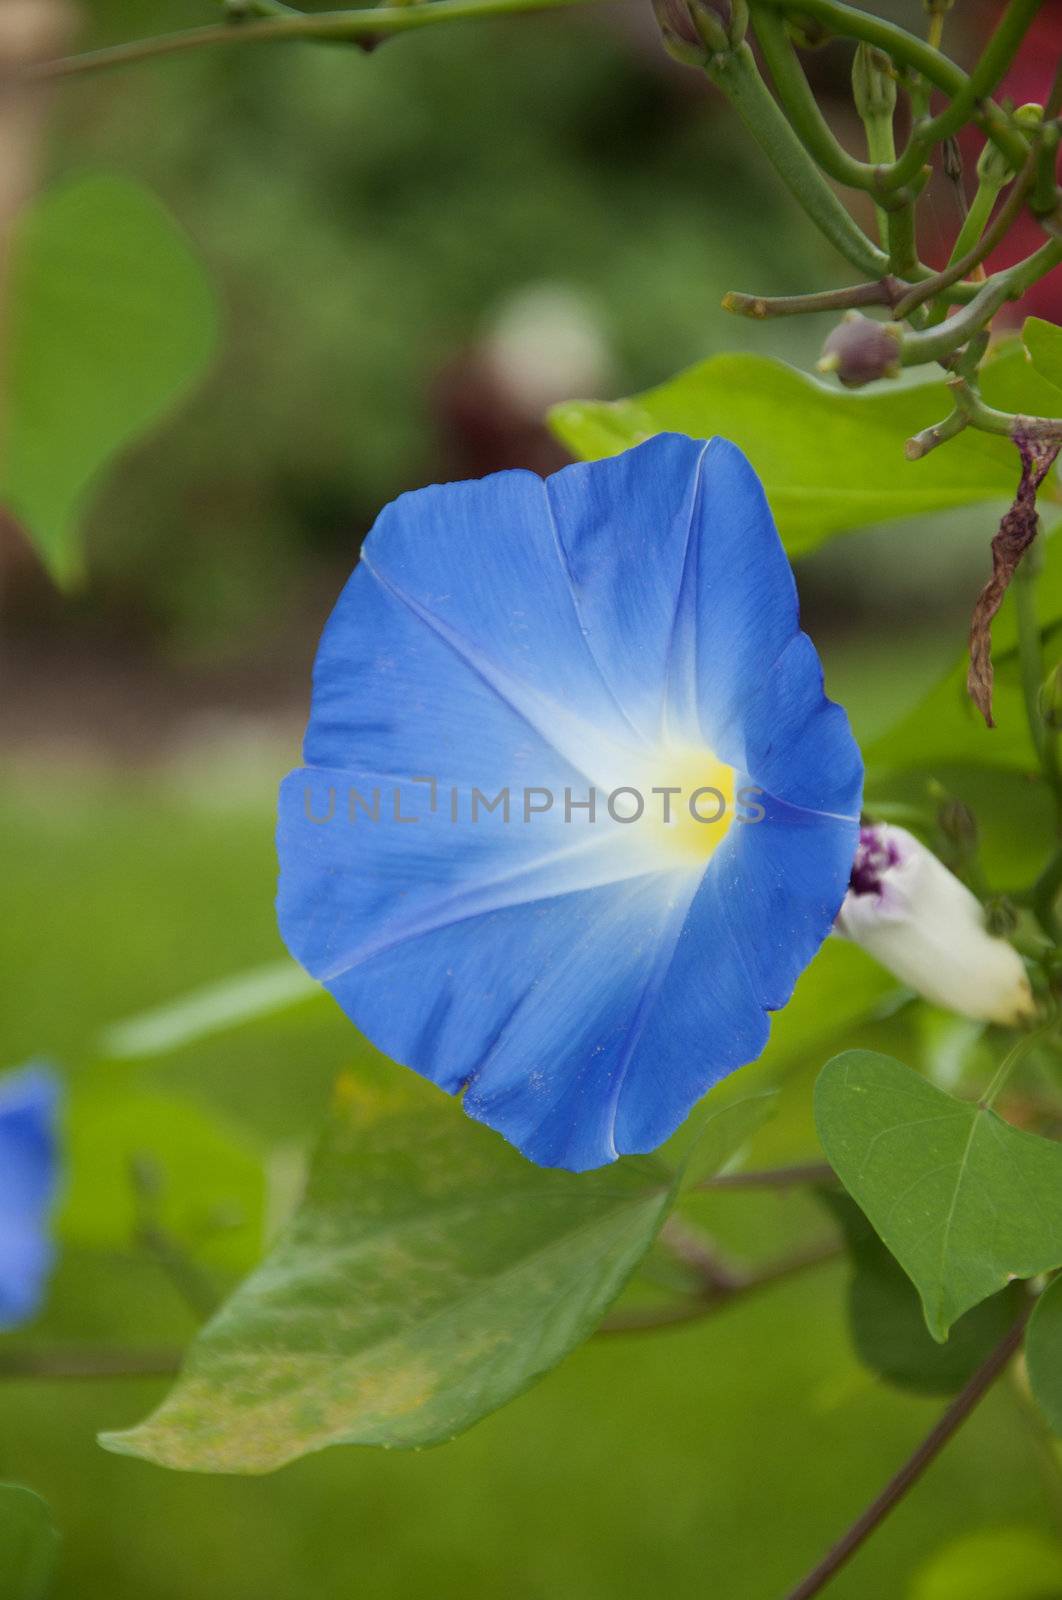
(575, 812)
(29, 1166)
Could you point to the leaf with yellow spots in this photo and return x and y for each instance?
(430, 1276)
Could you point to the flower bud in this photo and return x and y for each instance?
(681, 39)
(993, 168)
(873, 83)
(910, 913)
(860, 350)
(1030, 115)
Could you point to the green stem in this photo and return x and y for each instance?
(376, 23)
(929, 438)
(936, 344)
(1008, 423)
(736, 74)
(943, 283)
(975, 222)
(807, 120)
(900, 240)
(881, 148)
(969, 94)
(883, 293)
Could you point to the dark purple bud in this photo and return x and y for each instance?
(860, 350)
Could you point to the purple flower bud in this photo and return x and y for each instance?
(860, 350)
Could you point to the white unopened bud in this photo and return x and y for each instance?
(914, 916)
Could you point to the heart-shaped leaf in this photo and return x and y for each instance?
(1043, 1354)
(111, 319)
(431, 1275)
(963, 1200)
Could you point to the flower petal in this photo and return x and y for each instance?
(583, 983)
(28, 1175)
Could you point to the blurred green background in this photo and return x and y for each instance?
(414, 251)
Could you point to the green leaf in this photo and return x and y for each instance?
(29, 1544)
(111, 321)
(1043, 341)
(996, 1564)
(830, 461)
(1011, 382)
(1043, 1354)
(431, 1275)
(885, 1315)
(963, 1200)
(210, 1184)
(215, 1008)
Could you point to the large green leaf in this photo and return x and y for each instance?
(431, 1275)
(111, 319)
(29, 1544)
(963, 1200)
(885, 1315)
(829, 460)
(1043, 1353)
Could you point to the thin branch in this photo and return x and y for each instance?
(884, 292)
(1008, 423)
(922, 443)
(76, 1362)
(375, 23)
(713, 1298)
(931, 1446)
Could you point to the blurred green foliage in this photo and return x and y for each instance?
(724, 1455)
(362, 218)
